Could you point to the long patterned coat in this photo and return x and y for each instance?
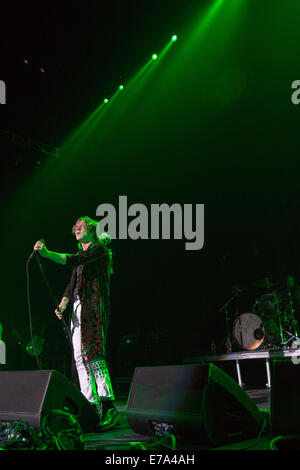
(93, 284)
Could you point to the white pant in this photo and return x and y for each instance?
(93, 376)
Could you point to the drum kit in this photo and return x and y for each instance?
(270, 322)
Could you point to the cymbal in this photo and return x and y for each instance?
(267, 283)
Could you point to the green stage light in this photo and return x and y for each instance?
(86, 128)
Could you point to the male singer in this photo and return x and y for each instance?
(88, 293)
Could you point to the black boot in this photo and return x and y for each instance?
(110, 415)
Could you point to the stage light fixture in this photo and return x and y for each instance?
(105, 100)
(174, 38)
(154, 56)
(121, 87)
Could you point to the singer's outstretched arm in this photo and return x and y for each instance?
(60, 258)
(95, 253)
(40, 247)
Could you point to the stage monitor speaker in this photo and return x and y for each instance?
(284, 398)
(197, 403)
(31, 395)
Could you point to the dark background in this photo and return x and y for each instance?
(213, 124)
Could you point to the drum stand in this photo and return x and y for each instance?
(292, 321)
(291, 338)
(279, 319)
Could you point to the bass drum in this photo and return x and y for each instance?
(248, 331)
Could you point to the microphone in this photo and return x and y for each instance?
(35, 251)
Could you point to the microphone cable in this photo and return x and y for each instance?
(65, 327)
(29, 311)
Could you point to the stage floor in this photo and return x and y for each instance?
(124, 438)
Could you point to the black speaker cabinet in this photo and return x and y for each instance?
(31, 395)
(285, 397)
(197, 403)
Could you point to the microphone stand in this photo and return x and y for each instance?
(65, 327)
(227, 341)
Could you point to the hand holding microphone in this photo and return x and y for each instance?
(39, 247)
